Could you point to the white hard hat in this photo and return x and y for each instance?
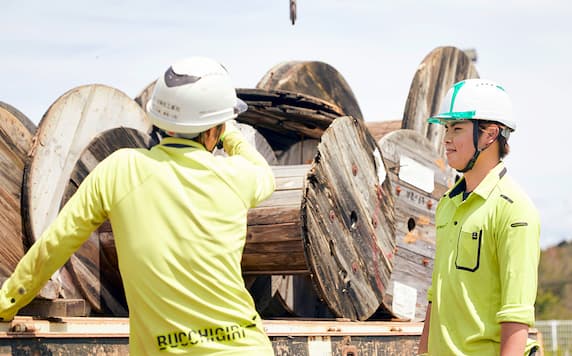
(476, 99)
(192, 96)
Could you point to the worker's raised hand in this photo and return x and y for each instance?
(229, 127)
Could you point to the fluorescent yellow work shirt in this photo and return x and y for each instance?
(485, 270)
(178, 215)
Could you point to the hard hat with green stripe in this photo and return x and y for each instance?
(476, 99)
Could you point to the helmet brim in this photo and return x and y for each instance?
(240, 106)
(451, 116)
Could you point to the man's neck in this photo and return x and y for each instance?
(484, 164)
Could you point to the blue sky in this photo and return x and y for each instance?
(50, 47)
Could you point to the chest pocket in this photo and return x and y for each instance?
(469, 249)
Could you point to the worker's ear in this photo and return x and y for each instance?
(493, 132)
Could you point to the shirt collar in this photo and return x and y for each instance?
(486, 186)
(178, 142)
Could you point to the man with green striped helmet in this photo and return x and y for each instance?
(485, 272)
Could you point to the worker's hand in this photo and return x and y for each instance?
(229, 127)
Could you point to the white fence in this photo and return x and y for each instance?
(556, 336)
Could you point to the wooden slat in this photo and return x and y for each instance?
(271, 215)
(285, 198)
(313, 78)
(438, 71)
(16, 132)
(57, 308)
(348, 222)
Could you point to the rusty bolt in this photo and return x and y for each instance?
(429, 204)
(354, 266)
(379, 191)
(354, 169)
(398, 190)
(425, 262)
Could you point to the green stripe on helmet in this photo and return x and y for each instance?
(456, 89)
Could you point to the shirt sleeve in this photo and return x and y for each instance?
(263, 178)
(81, 215)
(518, 253)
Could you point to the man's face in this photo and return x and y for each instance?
(458, 140)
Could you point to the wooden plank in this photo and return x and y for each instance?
(271, 215)
(438, 71)
(283, 198)
(348, 222)
(80, 128)
(313, 78)
(16, 132)
(291, 170)
(419, 176)
(56, 308)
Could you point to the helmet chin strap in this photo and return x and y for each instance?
(478, 151)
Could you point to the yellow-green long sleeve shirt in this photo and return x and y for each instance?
(485, 270)
(178, 215)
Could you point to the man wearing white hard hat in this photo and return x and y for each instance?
(481, 300)
(178, 214)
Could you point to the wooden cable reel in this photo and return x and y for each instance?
(346, 222)
(292, 105)
(16, 132)
(420, 177)
(79, 129)
(438, 71)
(314, 78)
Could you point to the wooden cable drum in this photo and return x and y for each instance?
(348, 221)
(287, 107)
(343, 233)
(314, 78)
(438, 71)
(289, 295)
(16, 132)
(420, 177)
(79, 130)
(306, 85)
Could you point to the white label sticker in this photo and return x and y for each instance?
(404, 300)
(319, 346)
(379, 166)
(415, 173)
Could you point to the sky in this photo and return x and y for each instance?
(50, 47)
